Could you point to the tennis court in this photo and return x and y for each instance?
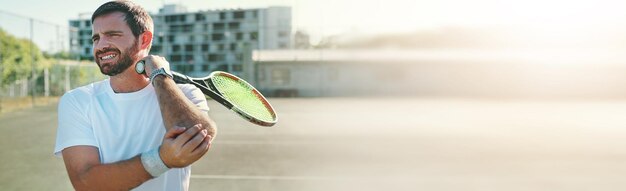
(376, 144)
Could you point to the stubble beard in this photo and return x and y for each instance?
(124, 63)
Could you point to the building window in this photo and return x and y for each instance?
(233, 46)
(239, 57)
(199, 17)
(175, 18)
(87, 23)
(174, 28)
(220, 47)
(155, 49)
(85, 32)
(187, 28)
(216, 57)
(176, 48)
(184, 68)
(189, 59)
(219, 26)
(222, 67)
(205, 67)
(222, 15)
(239, 15)
(239, 36)
(176, 58)
(255, 14)
(189, 48)
(74, 23)
(87, 51)
(280, 76)
(233, 25)
(171, 38)
(254, 35)
(205, 47)
(181, 28)
(217, 36)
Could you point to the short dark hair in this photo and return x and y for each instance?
(136, 17)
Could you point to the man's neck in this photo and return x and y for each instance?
(128, 81)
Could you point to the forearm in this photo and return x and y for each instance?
(176, 109)
(123, 175)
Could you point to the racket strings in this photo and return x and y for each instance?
(242, 96)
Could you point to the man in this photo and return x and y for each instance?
(131, 131)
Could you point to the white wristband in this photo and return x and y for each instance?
(152, 162)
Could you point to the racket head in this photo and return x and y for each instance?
(247, 101)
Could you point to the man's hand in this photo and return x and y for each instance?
(154, 62)
(181, 146)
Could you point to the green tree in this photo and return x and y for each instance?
(15, 58)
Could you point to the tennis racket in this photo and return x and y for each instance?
(232, 92)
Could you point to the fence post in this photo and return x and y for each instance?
(46, 81)
(67, 78)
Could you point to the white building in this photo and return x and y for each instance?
(196, 43)
(437, 73)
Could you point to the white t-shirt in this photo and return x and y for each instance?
(120, 125)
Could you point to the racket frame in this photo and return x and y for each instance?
(208, 88)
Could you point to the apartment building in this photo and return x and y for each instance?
(196, 43)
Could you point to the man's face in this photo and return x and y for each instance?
(111, 34)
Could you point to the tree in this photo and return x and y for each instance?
(16, 61)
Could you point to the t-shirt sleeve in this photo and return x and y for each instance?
(74, 127)
(196, 96)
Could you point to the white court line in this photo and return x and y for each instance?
(225, 142)
(249, 177)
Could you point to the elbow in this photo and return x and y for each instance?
(84, 181)
(80, 183)
(211, 127)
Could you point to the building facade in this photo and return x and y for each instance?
(196, 43)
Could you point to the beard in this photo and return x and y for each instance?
(125, 59)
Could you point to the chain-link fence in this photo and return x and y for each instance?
(48, 84)
(36, 66)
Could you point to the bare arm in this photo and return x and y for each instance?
(182, 145)
(87, 173)
(176, 109)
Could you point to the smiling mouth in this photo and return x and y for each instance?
(108, 57)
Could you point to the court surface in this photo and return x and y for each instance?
(375, 144)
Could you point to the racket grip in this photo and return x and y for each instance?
(180, 78)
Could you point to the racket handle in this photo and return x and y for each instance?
(180, 78)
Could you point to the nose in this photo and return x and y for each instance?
(100, 45)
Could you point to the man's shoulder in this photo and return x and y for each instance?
(86, 91)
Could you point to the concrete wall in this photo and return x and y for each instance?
(442, 78)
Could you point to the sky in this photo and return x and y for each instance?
(329, 17)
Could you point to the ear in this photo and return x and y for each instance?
(145, 40)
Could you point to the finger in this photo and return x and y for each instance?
(174, 131)
(187, 135)
(195, 141)
(203, 147)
